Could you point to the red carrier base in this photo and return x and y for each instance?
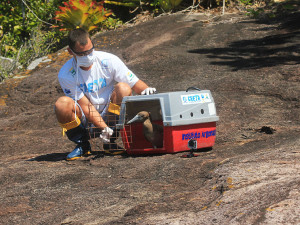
(175, 138)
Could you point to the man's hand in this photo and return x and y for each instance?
(106, 133)
(148, 91)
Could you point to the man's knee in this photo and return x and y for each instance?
(64, 103)
(123, 89)
(64, 110)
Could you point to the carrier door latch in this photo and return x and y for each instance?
(192, 144)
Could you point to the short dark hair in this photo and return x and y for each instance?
(78, 35)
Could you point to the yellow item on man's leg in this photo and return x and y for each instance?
(114, 108)
(67, 126)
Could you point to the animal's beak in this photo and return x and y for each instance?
(135, 119)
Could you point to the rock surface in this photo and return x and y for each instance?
(252, 175)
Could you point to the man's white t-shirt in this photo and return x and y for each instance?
(97, 83)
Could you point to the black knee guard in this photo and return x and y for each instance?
(75, 131)
(78, 134)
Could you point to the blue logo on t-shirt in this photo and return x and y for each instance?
(104, 64)
(94, 86)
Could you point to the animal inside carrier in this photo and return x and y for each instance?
(177, 116)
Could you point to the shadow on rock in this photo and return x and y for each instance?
(254, 53)
(54, 157)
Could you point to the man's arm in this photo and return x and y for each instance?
(91, 113)
(139, 86)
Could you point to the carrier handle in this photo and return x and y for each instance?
(194, 88)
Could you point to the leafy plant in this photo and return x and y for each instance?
(23, 33)
(18, 20)
(168, 5)
(112, 23)
(246, 2)
(255, 12)
(87, 14)
(165, 5)
(127, 3)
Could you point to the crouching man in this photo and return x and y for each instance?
(91, 80)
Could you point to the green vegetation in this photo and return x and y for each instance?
(17, 22)
(269, 9)
(25, 32)
(168, 5)
(33, 28)
(154, 5)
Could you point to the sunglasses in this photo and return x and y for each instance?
(84, 53)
